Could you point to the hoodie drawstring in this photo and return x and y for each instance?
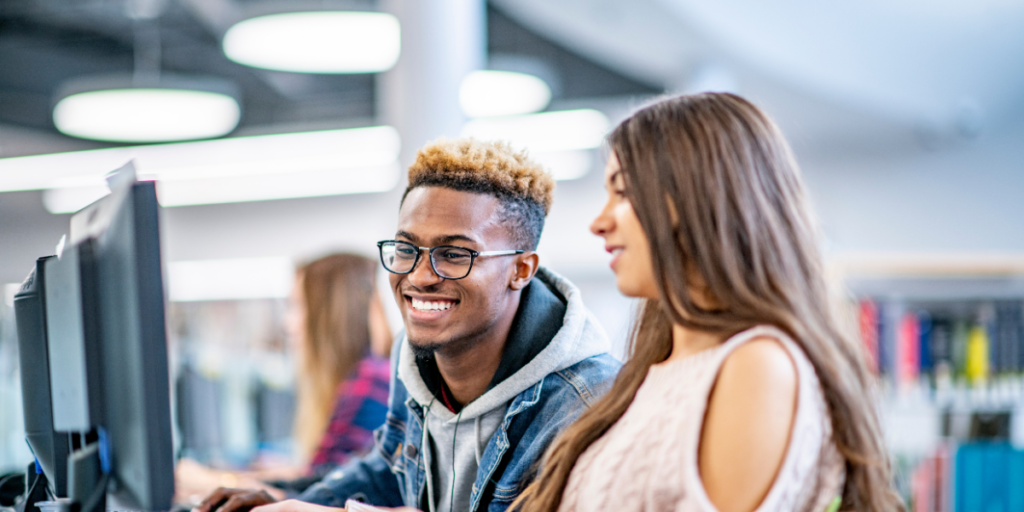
(476, 435)
(427, 459)
(451, 495)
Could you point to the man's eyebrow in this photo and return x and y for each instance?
(405, 234)
(447, 239)
(442, 240)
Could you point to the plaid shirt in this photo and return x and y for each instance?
(360, 406)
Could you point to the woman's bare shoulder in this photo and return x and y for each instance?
(747, 425)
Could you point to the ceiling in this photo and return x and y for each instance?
(44, 43)
(948, 69)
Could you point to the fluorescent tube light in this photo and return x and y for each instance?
(502, 93)
(146, 115)
(278, 186)
(230, 279)
(236, 169)
(316, 42)
(548, 131)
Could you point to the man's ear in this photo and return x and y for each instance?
(526, 266)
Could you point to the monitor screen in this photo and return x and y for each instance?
(122, 233)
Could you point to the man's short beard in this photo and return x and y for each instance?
(424, 352)
(428, 350)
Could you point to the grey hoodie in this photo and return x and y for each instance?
(453, 443)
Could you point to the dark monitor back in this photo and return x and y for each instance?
(126, 286)
(50, 447)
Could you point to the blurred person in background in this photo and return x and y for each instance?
(744, 390)
(341, 342)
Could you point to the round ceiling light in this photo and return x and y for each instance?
(157, 112)
(502, 93)
(316, 42)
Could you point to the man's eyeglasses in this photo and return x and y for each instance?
(448, 261)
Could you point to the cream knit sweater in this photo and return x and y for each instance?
(648, 459)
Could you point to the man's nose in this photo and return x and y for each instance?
(423, 275)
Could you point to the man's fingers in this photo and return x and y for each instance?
(245, 501)
(238, 503)
(214, 499)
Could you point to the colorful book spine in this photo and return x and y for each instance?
(890, 313)
(926, 361)
(908, 345)
(977, 361)
(868, 319)
(958, 352)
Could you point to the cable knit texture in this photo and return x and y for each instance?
(648, 459)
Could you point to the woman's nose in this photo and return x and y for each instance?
(602, 224)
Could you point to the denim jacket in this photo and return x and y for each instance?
(565, 378)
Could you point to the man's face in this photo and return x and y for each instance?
(445, 313)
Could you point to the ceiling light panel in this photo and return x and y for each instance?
(316, 42)
(502, 93)
(146, 115)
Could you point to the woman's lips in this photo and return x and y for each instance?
(616, 253)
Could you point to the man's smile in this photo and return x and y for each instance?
(426, 307)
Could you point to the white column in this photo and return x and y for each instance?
(442, 41)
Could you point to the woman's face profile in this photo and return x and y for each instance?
(624, 238)
(295, 318)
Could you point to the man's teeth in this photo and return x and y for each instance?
(616, 252)
(423, 305)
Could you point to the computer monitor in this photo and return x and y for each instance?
(50, 447)
(107, 344)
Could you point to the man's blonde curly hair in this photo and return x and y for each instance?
(521, 185)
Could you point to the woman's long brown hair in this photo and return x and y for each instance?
(720, 197)
(337, 291)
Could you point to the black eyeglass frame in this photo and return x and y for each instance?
(473, 255)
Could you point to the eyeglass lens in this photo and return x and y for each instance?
(448, 262)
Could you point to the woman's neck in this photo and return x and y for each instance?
(686, 342)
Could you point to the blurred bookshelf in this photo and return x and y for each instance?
(945, 335)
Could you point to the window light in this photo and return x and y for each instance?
(230, 279)
(548, 131)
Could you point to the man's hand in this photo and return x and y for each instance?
(234, 500)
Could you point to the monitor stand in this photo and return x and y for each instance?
(35, 488)
(87, 484)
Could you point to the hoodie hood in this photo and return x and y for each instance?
(579, 338)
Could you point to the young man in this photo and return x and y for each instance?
(498, 356)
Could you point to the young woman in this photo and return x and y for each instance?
(341, 341)
(742, 391)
